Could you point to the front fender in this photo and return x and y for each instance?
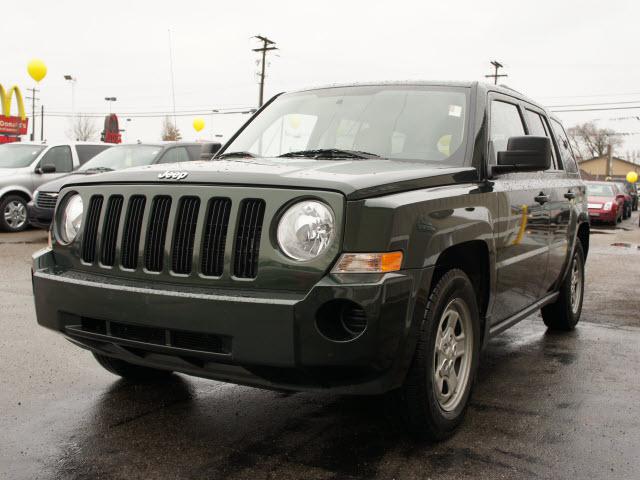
(15, 188)
(421, 223)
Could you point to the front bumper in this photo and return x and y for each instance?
(39, 217)
(267, 339)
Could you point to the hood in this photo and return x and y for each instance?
(9, 172)
(355, 178)
(57, 184)
(594, 199)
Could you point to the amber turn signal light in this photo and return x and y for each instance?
(368, 262)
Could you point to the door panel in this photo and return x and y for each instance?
(522, 249)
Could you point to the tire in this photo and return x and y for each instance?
(129, 371)
(564, 314)
(430, 415)
(13, 214)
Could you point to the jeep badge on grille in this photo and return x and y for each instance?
(172, 175)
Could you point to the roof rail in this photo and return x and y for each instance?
(509, 88)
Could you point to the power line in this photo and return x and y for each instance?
(596, 109)
(594, 104)
(159, 115)
(267, 45)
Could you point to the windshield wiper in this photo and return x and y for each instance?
(331, 153)
(235, 154)
(98, 169)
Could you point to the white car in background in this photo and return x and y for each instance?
(25, 166)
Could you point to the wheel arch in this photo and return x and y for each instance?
(16, 190)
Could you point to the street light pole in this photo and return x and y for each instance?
(72, 80)
(109, 100)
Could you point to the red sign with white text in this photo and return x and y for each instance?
(13, 125)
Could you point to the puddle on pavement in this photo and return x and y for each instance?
(625, 245)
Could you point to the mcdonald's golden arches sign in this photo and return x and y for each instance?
(12, 125)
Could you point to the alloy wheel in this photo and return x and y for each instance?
(15, 214)
(452, 355)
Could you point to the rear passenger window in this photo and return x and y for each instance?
(566, 154)
(505, 123)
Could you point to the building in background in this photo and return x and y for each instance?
(602, 167)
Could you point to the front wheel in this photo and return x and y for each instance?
(564, 314)
(436, 391)
(129, 371)
(13, 213)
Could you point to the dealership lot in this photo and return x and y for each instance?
(545, 406)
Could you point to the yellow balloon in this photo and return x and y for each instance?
(37, 69)
(198, 124)
(632, 177)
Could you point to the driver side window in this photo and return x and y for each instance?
(505, 122)
(60, 157)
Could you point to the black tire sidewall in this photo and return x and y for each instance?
(439, 423)
(4, 226)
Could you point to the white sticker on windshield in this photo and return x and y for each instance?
(455, 110)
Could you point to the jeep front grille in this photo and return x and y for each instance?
(46, 200)
(91, 229)
(171, 233)
(110, 230)
(215, 235)
(248, 238)
(131, 233)
(157, 233)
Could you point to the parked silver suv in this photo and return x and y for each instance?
(26, 166)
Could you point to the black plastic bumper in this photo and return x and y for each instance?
(267, 339)
(39, 217)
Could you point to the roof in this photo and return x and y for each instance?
(600, 157)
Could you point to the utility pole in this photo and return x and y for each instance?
(497, 66)
(267, 45)
(609, 161)
(33, 99)
(41, 123)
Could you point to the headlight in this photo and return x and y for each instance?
(306, 230)
(608, 205)
(71, 218)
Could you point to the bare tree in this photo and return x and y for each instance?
(83, 129)
(170, 132)
(590, 141)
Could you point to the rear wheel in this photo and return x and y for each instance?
(129, 371)
(438, 386)
(564, 314)
(13, 213)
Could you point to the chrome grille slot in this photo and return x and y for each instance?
(184, 235)
(131, 233)
(91, 229)
(110, 230)
(247, 241)
(157, 233)
(46, 200)
(215, 236)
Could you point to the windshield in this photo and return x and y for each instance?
(18, 156)
(600, 190)
(396, 122)
(124, 156)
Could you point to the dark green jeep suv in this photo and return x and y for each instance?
(358, 239)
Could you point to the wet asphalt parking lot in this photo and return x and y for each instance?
(545, 405)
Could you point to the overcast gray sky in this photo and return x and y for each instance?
(557, 52)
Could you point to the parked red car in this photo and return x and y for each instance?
(606, 203)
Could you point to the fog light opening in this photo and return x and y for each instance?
(341, 320)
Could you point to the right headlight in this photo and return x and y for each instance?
(71, 218)
(306, 230)
(608, 205)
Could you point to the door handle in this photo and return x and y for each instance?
(569, 195)
(542, 198)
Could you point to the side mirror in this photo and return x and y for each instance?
(620, 196)
(46, 169)
(524, 154)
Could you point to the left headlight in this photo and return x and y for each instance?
(306, 230)
(71, 218)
